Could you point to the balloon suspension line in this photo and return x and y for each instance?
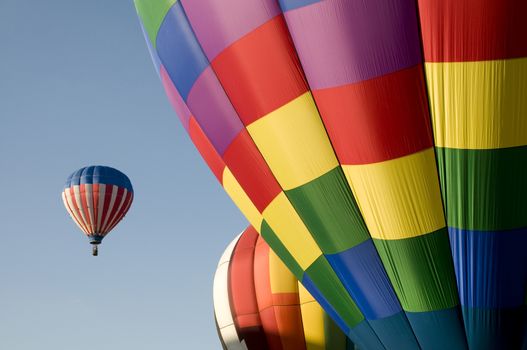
(95, 251)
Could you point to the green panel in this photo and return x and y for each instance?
(328, 209)
(334, 338)
(484, 190)
(329, 285)
(276, 245)
(152, 14)
(421, 271)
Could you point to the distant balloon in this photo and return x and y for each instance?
(259, 304)
(97, 198)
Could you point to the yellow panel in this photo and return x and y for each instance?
(294, 142)
(282, 280)
(479, 105)
(289, 228)
(312, 320)
(398, 198)
(240, 198)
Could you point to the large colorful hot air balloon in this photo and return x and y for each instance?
(97, 198)
(315, 117)
(259, 304)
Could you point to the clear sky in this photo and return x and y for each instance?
(77, 88)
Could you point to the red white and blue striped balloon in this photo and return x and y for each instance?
(97, 198)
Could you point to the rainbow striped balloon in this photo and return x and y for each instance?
(378, 146)
(259, 304)
(97, 198)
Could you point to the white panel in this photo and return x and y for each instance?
(222, 307)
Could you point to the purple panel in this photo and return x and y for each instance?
(213, 110)
(346, 41)
(175, 98)
(219, 23)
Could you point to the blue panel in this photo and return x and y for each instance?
(395, 332)
(180, 51)
(495, 328)
(153, 52)
(362, 273)
(364, 337)
(99, 174)
(293, 4)
(313, 290)
(438, 329)
(491, 267)
(362, 334)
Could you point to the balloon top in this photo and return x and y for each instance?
(99, 174)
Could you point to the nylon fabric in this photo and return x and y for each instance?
(363, 275)
(417, 270)
(294, 143)
(479, 105)
(152, 14)
(399, 198)
(290, 137)
(330, 212)
(475, 59)
(359, 51)
(465, 31)
(222, 134)
(484, 190)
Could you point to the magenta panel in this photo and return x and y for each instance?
(219, 23)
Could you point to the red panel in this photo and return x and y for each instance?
(378, 119)
(289, 320)
(264, 296)
(271, 329)
(106, 206)
(279, 312)
(242, 291)
(84, 203)
(473, 30)
(206, 149)
(95, 203)
(122, 212)
(113, 215)
(261, 72)
(74, 208)
(262, 281)
(250, 169)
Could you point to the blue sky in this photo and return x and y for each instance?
(76, 88)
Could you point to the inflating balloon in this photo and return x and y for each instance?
(345, 130)
(97, 198)
(259, 304)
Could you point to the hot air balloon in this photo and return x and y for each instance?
(97, 199)
(259, 304)
(345, 146)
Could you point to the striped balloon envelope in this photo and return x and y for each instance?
(259, 304)
(97, 198)
(379, 147)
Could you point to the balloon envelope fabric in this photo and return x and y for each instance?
(476, 68)
(315, 117)
(259, 304)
